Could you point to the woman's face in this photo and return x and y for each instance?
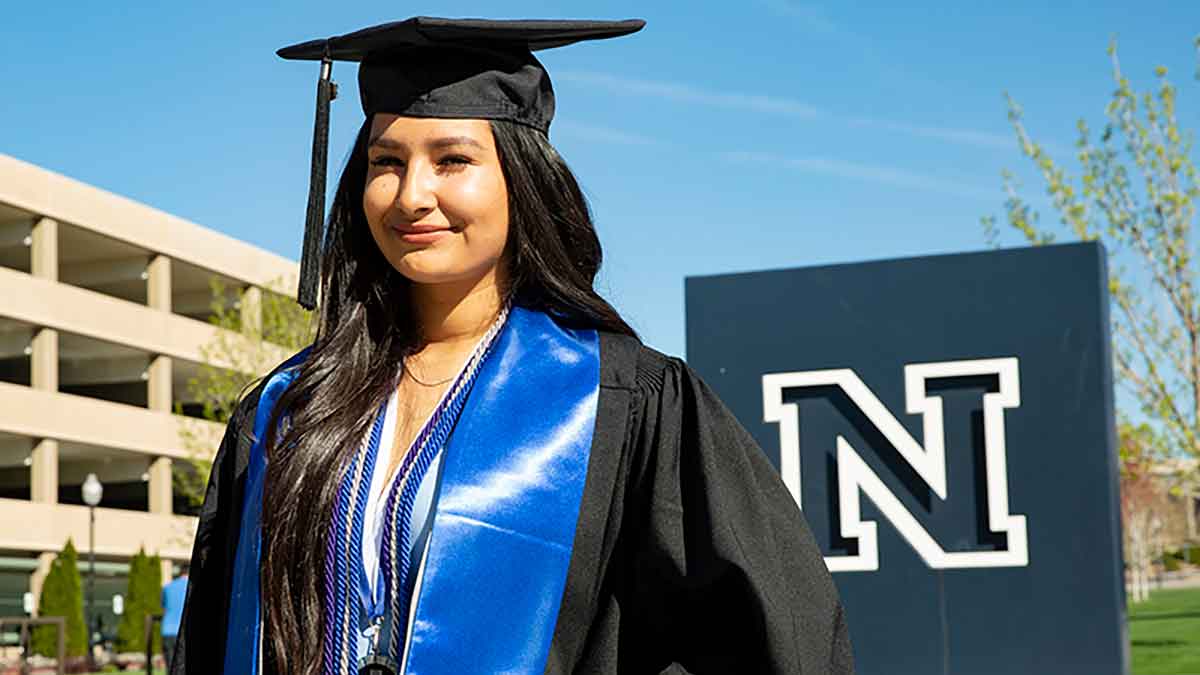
(435, 199)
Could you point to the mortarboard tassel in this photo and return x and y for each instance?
(314, 221)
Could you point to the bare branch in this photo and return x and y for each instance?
(1137, 190)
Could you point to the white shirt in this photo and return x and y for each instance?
(374, 516)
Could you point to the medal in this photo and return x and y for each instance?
(377, 664)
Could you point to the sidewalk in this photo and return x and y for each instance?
(1175, 580)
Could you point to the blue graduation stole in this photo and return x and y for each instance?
(491, 583)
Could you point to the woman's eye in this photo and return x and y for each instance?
(451, 162)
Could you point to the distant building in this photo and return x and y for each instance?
(1180, 508)
(103, 313)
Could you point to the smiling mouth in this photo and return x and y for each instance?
(422, 235)
(420, 229)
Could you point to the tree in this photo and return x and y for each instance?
(1143, 505)
(259, 328)
(128, 630)
(143, 597)
(151, 591)
(1136, 191)
(62, 595)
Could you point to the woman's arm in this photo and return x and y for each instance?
(728, 577)
(200, 645)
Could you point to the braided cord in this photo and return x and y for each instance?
(342, 564)
(353, 556)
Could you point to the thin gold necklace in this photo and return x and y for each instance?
(408, 371)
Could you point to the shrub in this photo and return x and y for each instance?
(62, 595)
(142, 597)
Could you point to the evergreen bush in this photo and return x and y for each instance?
(62, 595)
(153, 588)
(129, 630)
(142, 597)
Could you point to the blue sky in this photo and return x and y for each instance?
(724, 137)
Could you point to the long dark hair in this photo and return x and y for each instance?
(365, 329)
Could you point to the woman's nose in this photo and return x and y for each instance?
(416, 196)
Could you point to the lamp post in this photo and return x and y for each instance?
(92, 491)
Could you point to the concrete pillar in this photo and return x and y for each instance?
(158, 384)
(43, 472)
(43, 469)
(43, 359)
(43, 254)
(252, 311)
(38, 578)
(158, 397)
(158, 283)
(159, 394)
(160, 486)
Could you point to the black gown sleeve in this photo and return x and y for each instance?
(727, 576)
(200, 647)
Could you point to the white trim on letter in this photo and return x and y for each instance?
(929, 460)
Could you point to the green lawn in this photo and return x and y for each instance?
(1165, 632)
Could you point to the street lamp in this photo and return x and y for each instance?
(92, 491)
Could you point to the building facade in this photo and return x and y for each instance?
(104, 307)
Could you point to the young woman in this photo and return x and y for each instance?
(477, 467)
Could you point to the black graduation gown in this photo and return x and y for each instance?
(690, 555)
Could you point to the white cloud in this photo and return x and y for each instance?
(865, 172)
(597, 134)
(685, 93)
(758, 103)
(979, 139)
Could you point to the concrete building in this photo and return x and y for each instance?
(103, 318)
(1179, 510)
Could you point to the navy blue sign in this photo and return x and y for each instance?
(946, 425)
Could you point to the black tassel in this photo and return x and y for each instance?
(314, 221)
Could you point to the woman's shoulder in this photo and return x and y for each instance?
(627, 363)
(247, 405)
(242, 418)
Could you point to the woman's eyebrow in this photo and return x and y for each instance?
(448, 141)
(382, 141)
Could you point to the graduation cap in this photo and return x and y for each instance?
(434, 67)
